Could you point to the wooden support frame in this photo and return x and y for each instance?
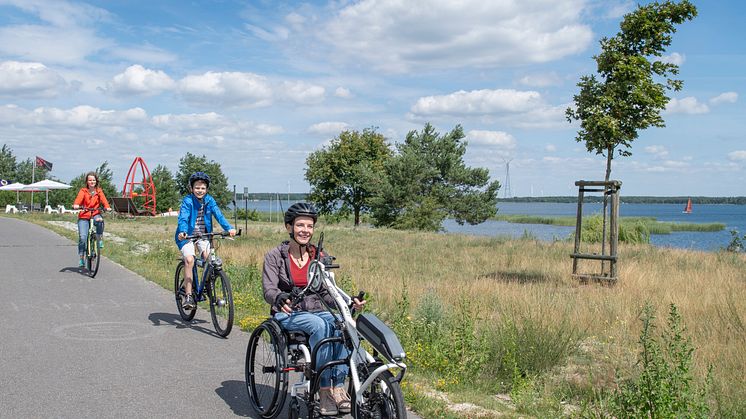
(610, 190)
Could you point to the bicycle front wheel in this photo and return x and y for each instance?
(179, 294)
(221, 303)
(93, 256)
(383, 399)
(266, 376)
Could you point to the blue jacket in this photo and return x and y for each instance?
(188, 216)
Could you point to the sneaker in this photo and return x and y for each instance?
(100, 244)
(344, 403)
(81, 263)
(328, 404)
(188, 303)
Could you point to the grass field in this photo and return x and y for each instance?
(495, 326)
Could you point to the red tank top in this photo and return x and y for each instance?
(300, 275)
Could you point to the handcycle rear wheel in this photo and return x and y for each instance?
(221, 303)
(266, 376)
(93, 256)
(179, 294)
(383, 399)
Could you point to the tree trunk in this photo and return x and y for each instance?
(357, 216)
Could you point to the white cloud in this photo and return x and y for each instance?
(181, 122)
(62, 36)
(540, 80)
(231, 88)
(19, 79)
(342, 92)
(79, 117)
(738, 155)
(726, 97)
(144, 54)
(398, 37)
(673, 58)
(138, 80)
(328, 128)
(688, 105)
(551, 148)
(616, 11)
(497, 139)
(478, 102)
(302, 92)
(657, 150)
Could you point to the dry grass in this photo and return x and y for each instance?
(524, 276)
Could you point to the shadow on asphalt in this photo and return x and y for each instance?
(161, 319)
(76, 269)
(234, 394)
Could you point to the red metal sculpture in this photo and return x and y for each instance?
(145, 189)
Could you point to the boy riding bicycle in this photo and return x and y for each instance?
(195, 217)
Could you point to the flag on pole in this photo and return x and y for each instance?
(43, 163)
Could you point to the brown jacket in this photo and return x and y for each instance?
(276, 279)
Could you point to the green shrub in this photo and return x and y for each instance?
(736, 242)
(664, 388)
(637, 231)
(527, 344)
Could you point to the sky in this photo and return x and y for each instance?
(258, 85)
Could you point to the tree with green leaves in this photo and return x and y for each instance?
(166, 190)
(218, 182)
(626, 97)
(7, 164)
(7, 172)
(27, 173)
(427, 181)
(342, 175)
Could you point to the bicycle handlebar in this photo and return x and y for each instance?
(208, 236)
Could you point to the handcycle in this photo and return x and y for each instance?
(213, 286)
(373, 378)
(92, 249)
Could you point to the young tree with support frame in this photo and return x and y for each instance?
(626, 98)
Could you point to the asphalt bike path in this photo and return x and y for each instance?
(110, 346)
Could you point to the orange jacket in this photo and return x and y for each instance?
(86, 200)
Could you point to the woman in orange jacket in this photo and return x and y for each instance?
(89, 197)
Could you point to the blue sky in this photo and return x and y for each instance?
(258, 85)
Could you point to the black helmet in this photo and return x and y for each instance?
(300, 209)
(199, 176)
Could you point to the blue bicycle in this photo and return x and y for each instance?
(214, 286)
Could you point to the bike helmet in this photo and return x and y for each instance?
(300, 209)
(199, 176)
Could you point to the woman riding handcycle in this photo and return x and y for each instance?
(312, 332)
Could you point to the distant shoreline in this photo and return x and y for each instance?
(734, 200)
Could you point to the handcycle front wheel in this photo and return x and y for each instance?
(179, 294)
(383, 399)
(266, 376)
(93, 256)
(221, 302)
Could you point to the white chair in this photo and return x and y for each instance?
(66, 211)
(49, 210)
(11, 209)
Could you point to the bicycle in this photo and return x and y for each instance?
(92, 248)
(273, 353)
(213, 286)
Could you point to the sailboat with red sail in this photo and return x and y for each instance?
(688, 208)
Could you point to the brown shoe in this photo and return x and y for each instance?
(344, 404)
(328, 404)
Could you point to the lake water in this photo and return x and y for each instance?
(733, 216)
